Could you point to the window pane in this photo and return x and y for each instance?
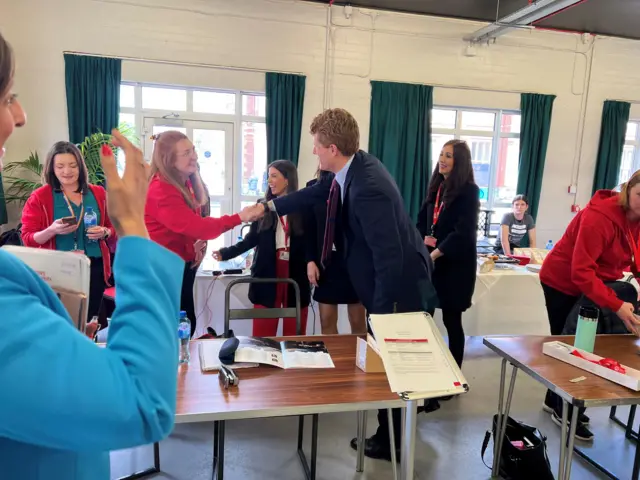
(632, 130)
(214, 102)
(483, 121)
(210, 147)
(254, 105)
(481, 157)
(443, 118)
(506, 171)
(127, 123)
(437, 142)
(254, 158)
(510, 123)
(127, 96)
(626, 164)
(164, 99)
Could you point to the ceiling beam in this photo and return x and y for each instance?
(521, 18)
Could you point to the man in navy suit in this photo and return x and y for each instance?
(387, 262)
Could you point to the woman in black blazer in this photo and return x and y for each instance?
(280, 253)
(332, 284)
(448, 223)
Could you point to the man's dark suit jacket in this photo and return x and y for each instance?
(387, 261)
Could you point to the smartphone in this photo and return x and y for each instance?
(68, 220)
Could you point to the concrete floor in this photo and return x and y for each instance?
(448, 447)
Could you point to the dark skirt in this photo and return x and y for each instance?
(334, 287)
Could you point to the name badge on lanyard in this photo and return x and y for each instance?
(431, 240)
(284, 254)
(80, 219)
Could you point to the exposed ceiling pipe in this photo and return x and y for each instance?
(522, 18)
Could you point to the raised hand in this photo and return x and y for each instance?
(126, 196)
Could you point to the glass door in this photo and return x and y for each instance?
(213, 142)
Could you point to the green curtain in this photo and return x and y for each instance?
(536, 112)
(3, 205)
(93, 94)
(400, 136)
(285, 101)
(615, 116)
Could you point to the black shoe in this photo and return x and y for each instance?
(582, 418)
(582, 432)
(375, 449)
(445, 399)
(430, 405)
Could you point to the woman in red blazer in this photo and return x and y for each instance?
(173, 211)
(53, 216)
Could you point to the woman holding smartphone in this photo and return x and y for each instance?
(53, 217)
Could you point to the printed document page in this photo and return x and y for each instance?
(305, 355)
(412, 354)
(259, 350)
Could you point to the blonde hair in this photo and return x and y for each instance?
(163, 163)
(337, 127)
(626, 187)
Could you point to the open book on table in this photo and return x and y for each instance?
(67, 273)
(256, 350)
(416, 358)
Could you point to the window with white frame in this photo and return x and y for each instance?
(493, 137)
(630, 161)
(227, 129)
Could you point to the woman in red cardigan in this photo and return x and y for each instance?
(53, 216)
(173, 210)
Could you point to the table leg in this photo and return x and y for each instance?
(563, 439)
(496, 455)
(503, 422)
(572, 438)
(362, 433)
(409, 440)
(392, 443)
(220, 469)
(636, 463)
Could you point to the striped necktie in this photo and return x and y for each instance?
(330, 226)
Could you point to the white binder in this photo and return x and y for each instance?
(415, 356)
(67, 273)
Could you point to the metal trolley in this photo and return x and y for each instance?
(251, 313)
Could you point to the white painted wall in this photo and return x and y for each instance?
(287, 35)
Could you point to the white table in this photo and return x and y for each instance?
(505, 302)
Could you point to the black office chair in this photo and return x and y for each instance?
(252, 313)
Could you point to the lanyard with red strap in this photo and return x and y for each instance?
(635, 253)
(285, 229)
(198, 209)
(437, 209)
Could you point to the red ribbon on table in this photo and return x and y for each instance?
(609, 363)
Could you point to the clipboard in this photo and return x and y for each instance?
(67, 273)
(416, 358)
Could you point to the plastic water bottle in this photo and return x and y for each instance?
(549, 245)
(184, 335)
(587, 329)
(90, 220)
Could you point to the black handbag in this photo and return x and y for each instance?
(530, 462)
(11, 237)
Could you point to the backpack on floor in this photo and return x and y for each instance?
(530, 462)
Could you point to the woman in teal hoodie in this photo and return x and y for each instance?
(64, 401)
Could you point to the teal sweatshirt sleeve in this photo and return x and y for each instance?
(59, 389)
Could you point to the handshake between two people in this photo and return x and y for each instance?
(252, 212)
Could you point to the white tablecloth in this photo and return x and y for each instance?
(505, 302)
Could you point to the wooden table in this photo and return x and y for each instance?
(525, 353)
(272, 392)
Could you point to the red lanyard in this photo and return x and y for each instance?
(635, 253)
(285, 229)
(438, 207)
(198, 209)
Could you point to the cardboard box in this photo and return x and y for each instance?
(367, 359)
(562, 351)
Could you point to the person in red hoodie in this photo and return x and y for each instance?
(173, 210)
(53, 216)
(585, 267)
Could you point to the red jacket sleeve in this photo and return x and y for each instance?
(33, 221)
(591, 242)
(168, 207)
